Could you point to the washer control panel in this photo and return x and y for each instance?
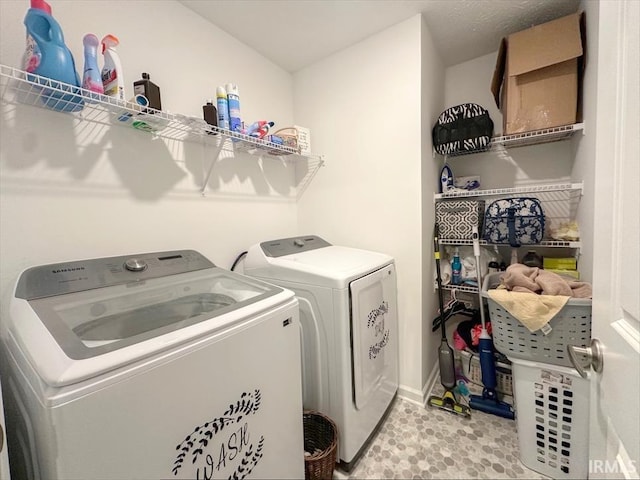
(76, 276)
(289, 246)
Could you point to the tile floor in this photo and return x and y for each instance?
(419, 443)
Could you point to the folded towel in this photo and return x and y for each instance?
(533, 311)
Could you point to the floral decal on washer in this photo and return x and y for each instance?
(222, 444)
(375, 320)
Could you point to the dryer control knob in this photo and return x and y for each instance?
(135, 265)
(298, 242)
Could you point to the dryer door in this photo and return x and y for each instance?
(374, 333)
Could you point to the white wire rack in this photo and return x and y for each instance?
(559, 202)
(574, 188)
(458, 288)
(19, 87)
(535, 137)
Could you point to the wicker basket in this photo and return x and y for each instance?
(289, 138)
(570, 326)
(320, 446)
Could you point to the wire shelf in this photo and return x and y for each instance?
(525, 139)
(543, 243)
(20, 87)
(559, 202)
(458, 288)
(574, 188)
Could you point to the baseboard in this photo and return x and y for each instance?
(419, 397)
(410, 394)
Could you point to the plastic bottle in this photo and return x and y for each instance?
(456, 269)
(259, 129)
(127, 116)
(223, 108)
(112, 77)
(210, 115)
(233, 99)
(48, 56)
(149, 89)
(446, 179)
(32, 54)
(91, 78)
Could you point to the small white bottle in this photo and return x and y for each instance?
(112, 77)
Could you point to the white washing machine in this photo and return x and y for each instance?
(158, 365)
(349, 329)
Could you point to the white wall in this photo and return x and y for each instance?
(363, 106)
(585, 151)
(433, 86)
(73, 190)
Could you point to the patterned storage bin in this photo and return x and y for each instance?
(457, 218)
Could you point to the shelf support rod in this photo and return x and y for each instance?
(208, 175)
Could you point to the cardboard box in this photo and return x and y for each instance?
(537, 81)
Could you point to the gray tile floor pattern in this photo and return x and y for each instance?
(421, 443)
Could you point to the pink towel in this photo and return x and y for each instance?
(520, 278)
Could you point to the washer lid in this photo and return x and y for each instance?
(93, 322)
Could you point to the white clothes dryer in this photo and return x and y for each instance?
(349, 330)
(158, 365)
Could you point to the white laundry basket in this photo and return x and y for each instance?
(552, 405)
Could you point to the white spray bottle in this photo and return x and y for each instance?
(112, 77)
(233, 100)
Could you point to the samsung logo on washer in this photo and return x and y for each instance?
(65, 270)
(223, 444)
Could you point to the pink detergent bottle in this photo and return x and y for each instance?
(91, 76)
(48, 56)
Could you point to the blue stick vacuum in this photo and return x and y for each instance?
(488, 402)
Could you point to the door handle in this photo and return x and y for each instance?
(593, 354)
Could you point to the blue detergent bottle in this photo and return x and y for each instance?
(32, 56)
(54, 60)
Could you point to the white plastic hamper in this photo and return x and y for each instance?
(552, 405)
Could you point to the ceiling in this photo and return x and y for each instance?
(296, 33)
